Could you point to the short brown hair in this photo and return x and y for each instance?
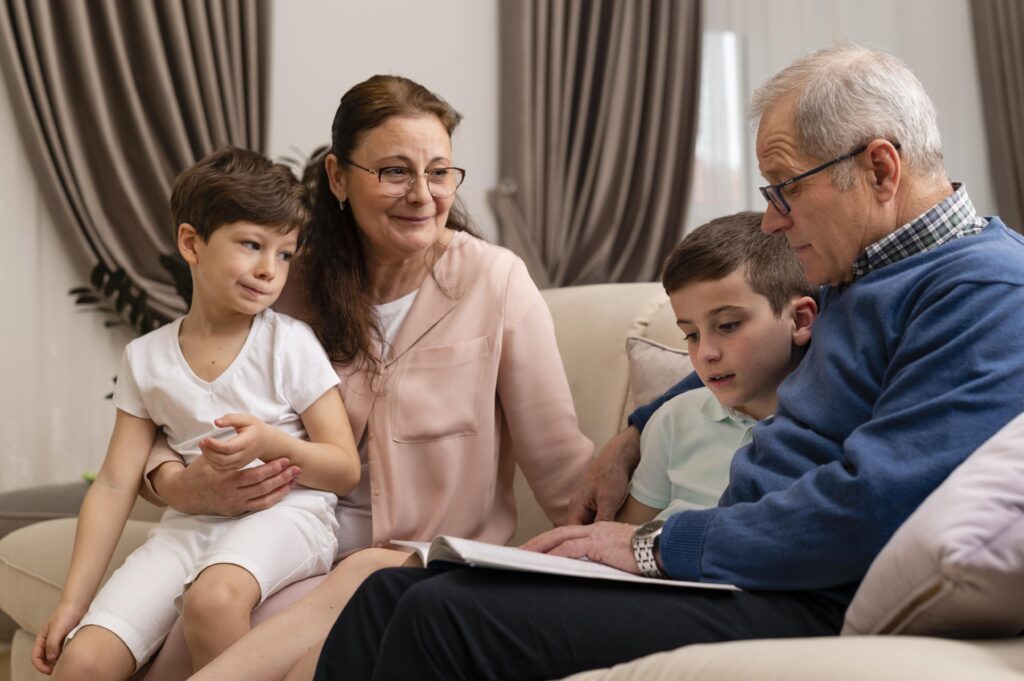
(233, 184)
(717, 249)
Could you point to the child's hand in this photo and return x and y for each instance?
(46, 649)
(253, 441)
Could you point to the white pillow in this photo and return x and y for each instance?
(956, 566)
(653, 368)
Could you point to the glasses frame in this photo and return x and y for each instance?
(412, 180)
(772, 193)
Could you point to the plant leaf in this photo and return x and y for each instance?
(98, 275)
(115, 281)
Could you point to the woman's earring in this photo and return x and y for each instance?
(341, 205)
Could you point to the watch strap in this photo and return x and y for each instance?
(644, 547)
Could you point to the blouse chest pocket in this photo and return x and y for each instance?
(440, 391)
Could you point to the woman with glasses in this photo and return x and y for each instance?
(441, 341)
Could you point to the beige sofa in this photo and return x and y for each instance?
(592, 324)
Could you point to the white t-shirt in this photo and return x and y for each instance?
(280, 371)
(391, 316)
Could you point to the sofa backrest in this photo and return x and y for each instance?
(591, 325)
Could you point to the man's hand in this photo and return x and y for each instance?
(46, 648)
(608, 543)
(253, 440)
(200, 489)
(600, 494)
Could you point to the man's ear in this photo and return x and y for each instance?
(885, 169)
(188, 240)
(805, 311)
(336, 177)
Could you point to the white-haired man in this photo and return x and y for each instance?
(908, 373)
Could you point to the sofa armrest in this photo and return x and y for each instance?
(34, 563)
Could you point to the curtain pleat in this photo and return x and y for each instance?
(598, 120)
(999, 42)
(116, 97)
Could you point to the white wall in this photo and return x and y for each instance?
(56, 364)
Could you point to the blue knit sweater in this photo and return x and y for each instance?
(912, 367)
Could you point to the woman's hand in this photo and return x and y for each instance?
(47, 647)
(200, 489)
(253, 440)
(602, 542)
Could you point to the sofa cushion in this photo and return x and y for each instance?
(653, 368)
(34, 562)
(851, 658)
(956, 566)
(591, 325)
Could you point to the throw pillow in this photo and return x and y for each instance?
(956, 566)
(653, 368)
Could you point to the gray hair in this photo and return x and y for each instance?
(848, 95)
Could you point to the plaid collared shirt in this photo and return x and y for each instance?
(952, 218)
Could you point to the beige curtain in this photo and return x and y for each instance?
(598, 120)
(999, 41)
(116, 97)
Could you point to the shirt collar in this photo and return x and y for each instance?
(716, 411)
(951, 218)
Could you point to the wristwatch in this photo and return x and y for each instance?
(645, 547)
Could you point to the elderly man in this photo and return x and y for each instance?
(915, 363)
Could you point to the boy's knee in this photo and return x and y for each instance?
(211, 596)
(82, 662)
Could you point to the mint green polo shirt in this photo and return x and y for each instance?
(685, 452)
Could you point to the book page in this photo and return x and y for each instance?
(420, 548)
(479, 554)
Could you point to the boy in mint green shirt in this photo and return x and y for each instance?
(745, 309)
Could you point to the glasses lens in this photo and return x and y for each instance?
(774, 196)
(444, 181)
(395, 180)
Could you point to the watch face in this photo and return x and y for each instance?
(649, 528)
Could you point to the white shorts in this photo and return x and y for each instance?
(292, 540)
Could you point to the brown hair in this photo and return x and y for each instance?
(334, 266)
(233, 184)
(717, 249)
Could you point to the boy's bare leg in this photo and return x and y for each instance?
(94, 654)
(217, 610)
(272, 648)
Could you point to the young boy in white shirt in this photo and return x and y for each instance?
(232, 381)
(745, 309)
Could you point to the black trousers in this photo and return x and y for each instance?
(475, 623)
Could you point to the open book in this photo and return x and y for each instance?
(479, 554)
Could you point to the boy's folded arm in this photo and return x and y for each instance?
(159, 454)
(330, 459)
